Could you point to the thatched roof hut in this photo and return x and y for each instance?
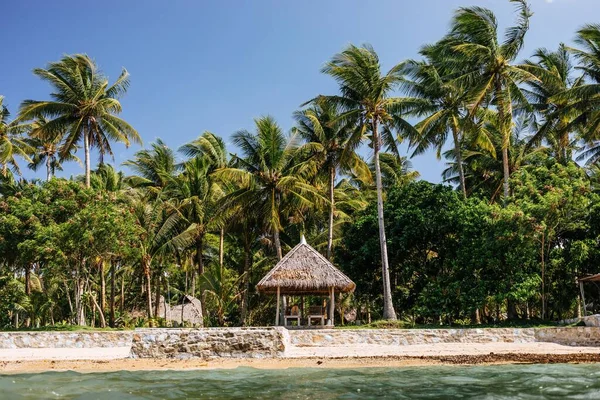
(305, 271)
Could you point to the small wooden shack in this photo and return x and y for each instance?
(304, 271)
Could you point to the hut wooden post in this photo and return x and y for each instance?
(582, 296)
(277, 314)
(331, 306)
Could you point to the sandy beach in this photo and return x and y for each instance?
(337, 357)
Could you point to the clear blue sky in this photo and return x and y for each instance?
(199, 65)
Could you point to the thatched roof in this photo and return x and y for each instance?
(304, 271)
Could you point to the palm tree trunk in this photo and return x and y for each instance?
(277, 243)
(102, 286)
(112, 295)
(505, 130)
(28, 280)
(48, 169)
(459, 161)
(199, 259)
(276, 239)
(86, 147)
(200, 262)
(331, 212)
(388, 307)
(157, 297)
(246, 278)
(146, 266)
(221, 246)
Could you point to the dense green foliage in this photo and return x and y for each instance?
(507, 242)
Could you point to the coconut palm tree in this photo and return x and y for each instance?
(582, 102)
(45, 149)
(154, 167)
(197, 202)
(11, 141)
(212, 148)
(365, 99)
(157, 236)
(554, 71)
(445, 108)
(84, 106)
(273, 176)
(209, 146)
(329, 137)
(484, 65)
(107, 178)
(484, 172)
(395, 170)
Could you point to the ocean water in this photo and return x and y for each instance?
(470, 382)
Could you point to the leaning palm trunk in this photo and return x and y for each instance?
(388, 307)
(331, 212)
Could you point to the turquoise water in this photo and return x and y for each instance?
(487, 382)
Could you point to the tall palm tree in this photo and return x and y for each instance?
(273, 176)
(45, 149)
(84, 106)
(365, 98)
(583, 101)
(484, 65)
(11, 141)
(157, 236)
(329, 137)
(484, 172)
(444, 110)
(211, 148)
(554, 72)
(196, 199)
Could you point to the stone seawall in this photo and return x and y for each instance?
(64, 345)
(259, 342)
(209, 342)
(577, 336)
(573, 336)
(406, 337)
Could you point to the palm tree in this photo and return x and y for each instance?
(365, 99)
(395, 170)
(45, 149)
(84, 106)
(107, 178)
(212, 148)
(554, 76)
(445, 108)
(157, 236)
(329, 137)
(272, 175)
(11, 142)
(196, 199)
(484, 65)
(154, 167)
(484, 172)
(582, 102)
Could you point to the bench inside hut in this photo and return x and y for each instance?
(305, 272)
